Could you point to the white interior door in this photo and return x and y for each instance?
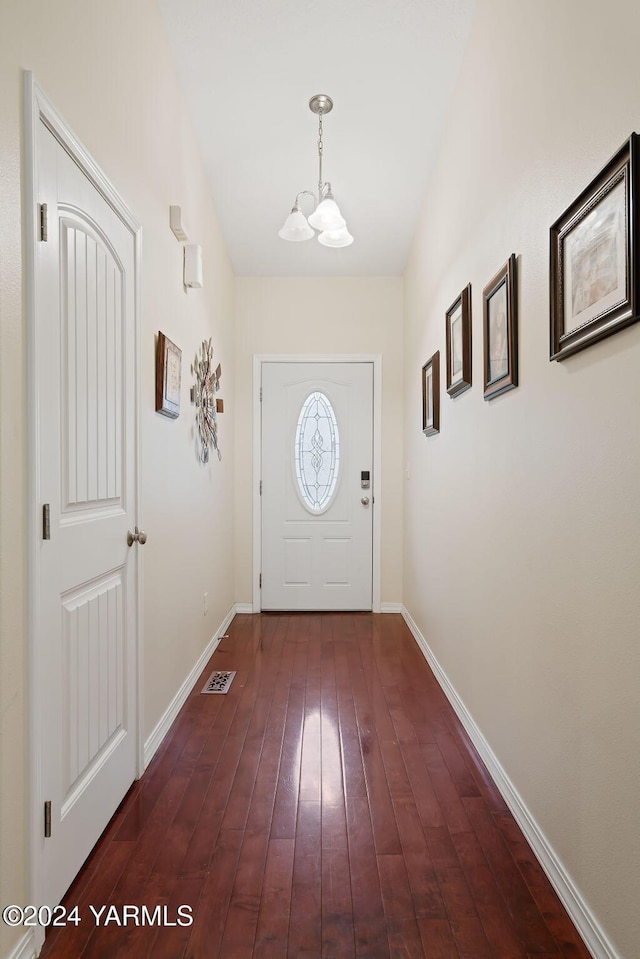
(85, 643)
(317, 452)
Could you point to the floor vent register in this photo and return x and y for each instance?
(219, 681)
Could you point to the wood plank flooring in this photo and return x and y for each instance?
(329, 805)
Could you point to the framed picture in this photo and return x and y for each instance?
(500, 322)
(594, 258)
(431, 395)
(168, 377)
(458, 320)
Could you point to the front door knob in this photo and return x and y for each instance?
(364, 500)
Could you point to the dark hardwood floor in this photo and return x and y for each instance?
(329, 805)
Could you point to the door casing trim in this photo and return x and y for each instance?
(376, 488)
(37, 108)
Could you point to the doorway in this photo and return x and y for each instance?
(316, 465)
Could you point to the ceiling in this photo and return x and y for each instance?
(249, 68)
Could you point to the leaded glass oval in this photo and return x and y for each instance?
(317, 452)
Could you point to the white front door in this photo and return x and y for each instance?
(85, 635)
(317, 459)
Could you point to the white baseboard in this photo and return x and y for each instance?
(25, 948)
(384, 608)
(164, 724)
(583, 918)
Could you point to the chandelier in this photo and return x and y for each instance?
(326, 217)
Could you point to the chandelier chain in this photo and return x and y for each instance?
(319, 157)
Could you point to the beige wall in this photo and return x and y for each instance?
(522, 518)
(328, 315)
(108, 70)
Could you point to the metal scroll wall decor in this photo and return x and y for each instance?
(207, 384)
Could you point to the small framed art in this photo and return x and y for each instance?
(458, 321)
(168, 377)
(500, 322)
(431, 395)
(595, 257)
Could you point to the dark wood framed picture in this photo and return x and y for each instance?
(168, 377)
(458, 322)
(500, 322)
(431, 395)
(595, 258)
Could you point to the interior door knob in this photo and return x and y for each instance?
(137, 536)
(364, 500)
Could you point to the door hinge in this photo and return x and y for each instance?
(260, 487)
(261, 394)
(43, 222)
(46, 521)
(260, 583)
(47, 819)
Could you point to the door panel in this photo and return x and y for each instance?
(92, 314)
(92, 656)
(86, 621)
(316, 532)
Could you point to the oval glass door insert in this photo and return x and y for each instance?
(317, 452)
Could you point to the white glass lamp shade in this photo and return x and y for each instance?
(336, 238)
(327, 216)
(295, 227)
